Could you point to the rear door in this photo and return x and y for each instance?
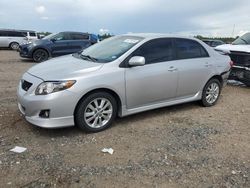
(156, 81)
(194, 66)
(78, 41)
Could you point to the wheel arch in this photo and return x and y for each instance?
(107, 90)
(218, 77)
(41, 48)
(13, 42)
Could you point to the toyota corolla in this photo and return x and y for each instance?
(120, 76)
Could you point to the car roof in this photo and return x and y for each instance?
(74, 32)
(17, 30)
(211, 40)
(157, 35)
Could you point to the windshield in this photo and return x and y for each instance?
(50, 36)
(244, 39)
(110, 49)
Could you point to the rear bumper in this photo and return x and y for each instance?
(225, 77)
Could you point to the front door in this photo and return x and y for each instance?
(156, 81)
(60, 45)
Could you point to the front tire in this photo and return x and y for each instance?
(40, 55)
(211, 93)
(96, 112)
(14, 46)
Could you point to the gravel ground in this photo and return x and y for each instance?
(179, 146)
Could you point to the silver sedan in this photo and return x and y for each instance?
(120, 76)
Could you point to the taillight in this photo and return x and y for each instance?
(231, 63)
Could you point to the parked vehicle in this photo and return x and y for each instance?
(13, 38)
(239, 52)
(56, 45)
(120, 76)
(213, 43)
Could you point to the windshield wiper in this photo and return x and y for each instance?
(88, 57)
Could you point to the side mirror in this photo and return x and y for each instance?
(137, 61)
(53, 40)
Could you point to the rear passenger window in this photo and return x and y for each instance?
(186, 49)
(157, 50)
(78, 36)
(15, 34)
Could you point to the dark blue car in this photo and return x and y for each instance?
(56, 45)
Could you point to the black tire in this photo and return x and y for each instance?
(14, 46)
(40, 55)
(204, 101)
(82, 107)
(247, 84)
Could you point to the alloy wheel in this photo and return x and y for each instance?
(98, 112)
(212, 92)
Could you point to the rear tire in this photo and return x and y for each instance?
(40, 55)
(14, 46)
(211, 93)
(96, 112)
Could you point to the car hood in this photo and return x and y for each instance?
(41, 41)
(64, 67)
(229, 47)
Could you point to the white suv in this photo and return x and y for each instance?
(13, 38)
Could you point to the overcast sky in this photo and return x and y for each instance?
(187, 17)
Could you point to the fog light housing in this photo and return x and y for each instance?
(44, 113)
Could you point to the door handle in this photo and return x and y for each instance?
(207, 64)
(172, 69)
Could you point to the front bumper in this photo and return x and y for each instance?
(60, 104)
(24, 51)
(241, 74)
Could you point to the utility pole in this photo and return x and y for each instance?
(233, 31)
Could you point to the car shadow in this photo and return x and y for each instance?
(75, 131)
(27, 61)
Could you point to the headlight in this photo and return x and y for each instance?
(53, 86)
(27, 42)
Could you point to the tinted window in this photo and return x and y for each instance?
(3, 33)
(157, 50)
(187, 49)
(60, 36)
(79, 36)
(32, 34)
(15, 34)
(24, 33)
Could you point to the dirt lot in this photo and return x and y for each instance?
(180, 146)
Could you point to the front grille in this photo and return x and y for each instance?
(26, 85)
(240, 58)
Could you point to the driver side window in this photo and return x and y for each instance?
(60, 36)
(156, 50)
